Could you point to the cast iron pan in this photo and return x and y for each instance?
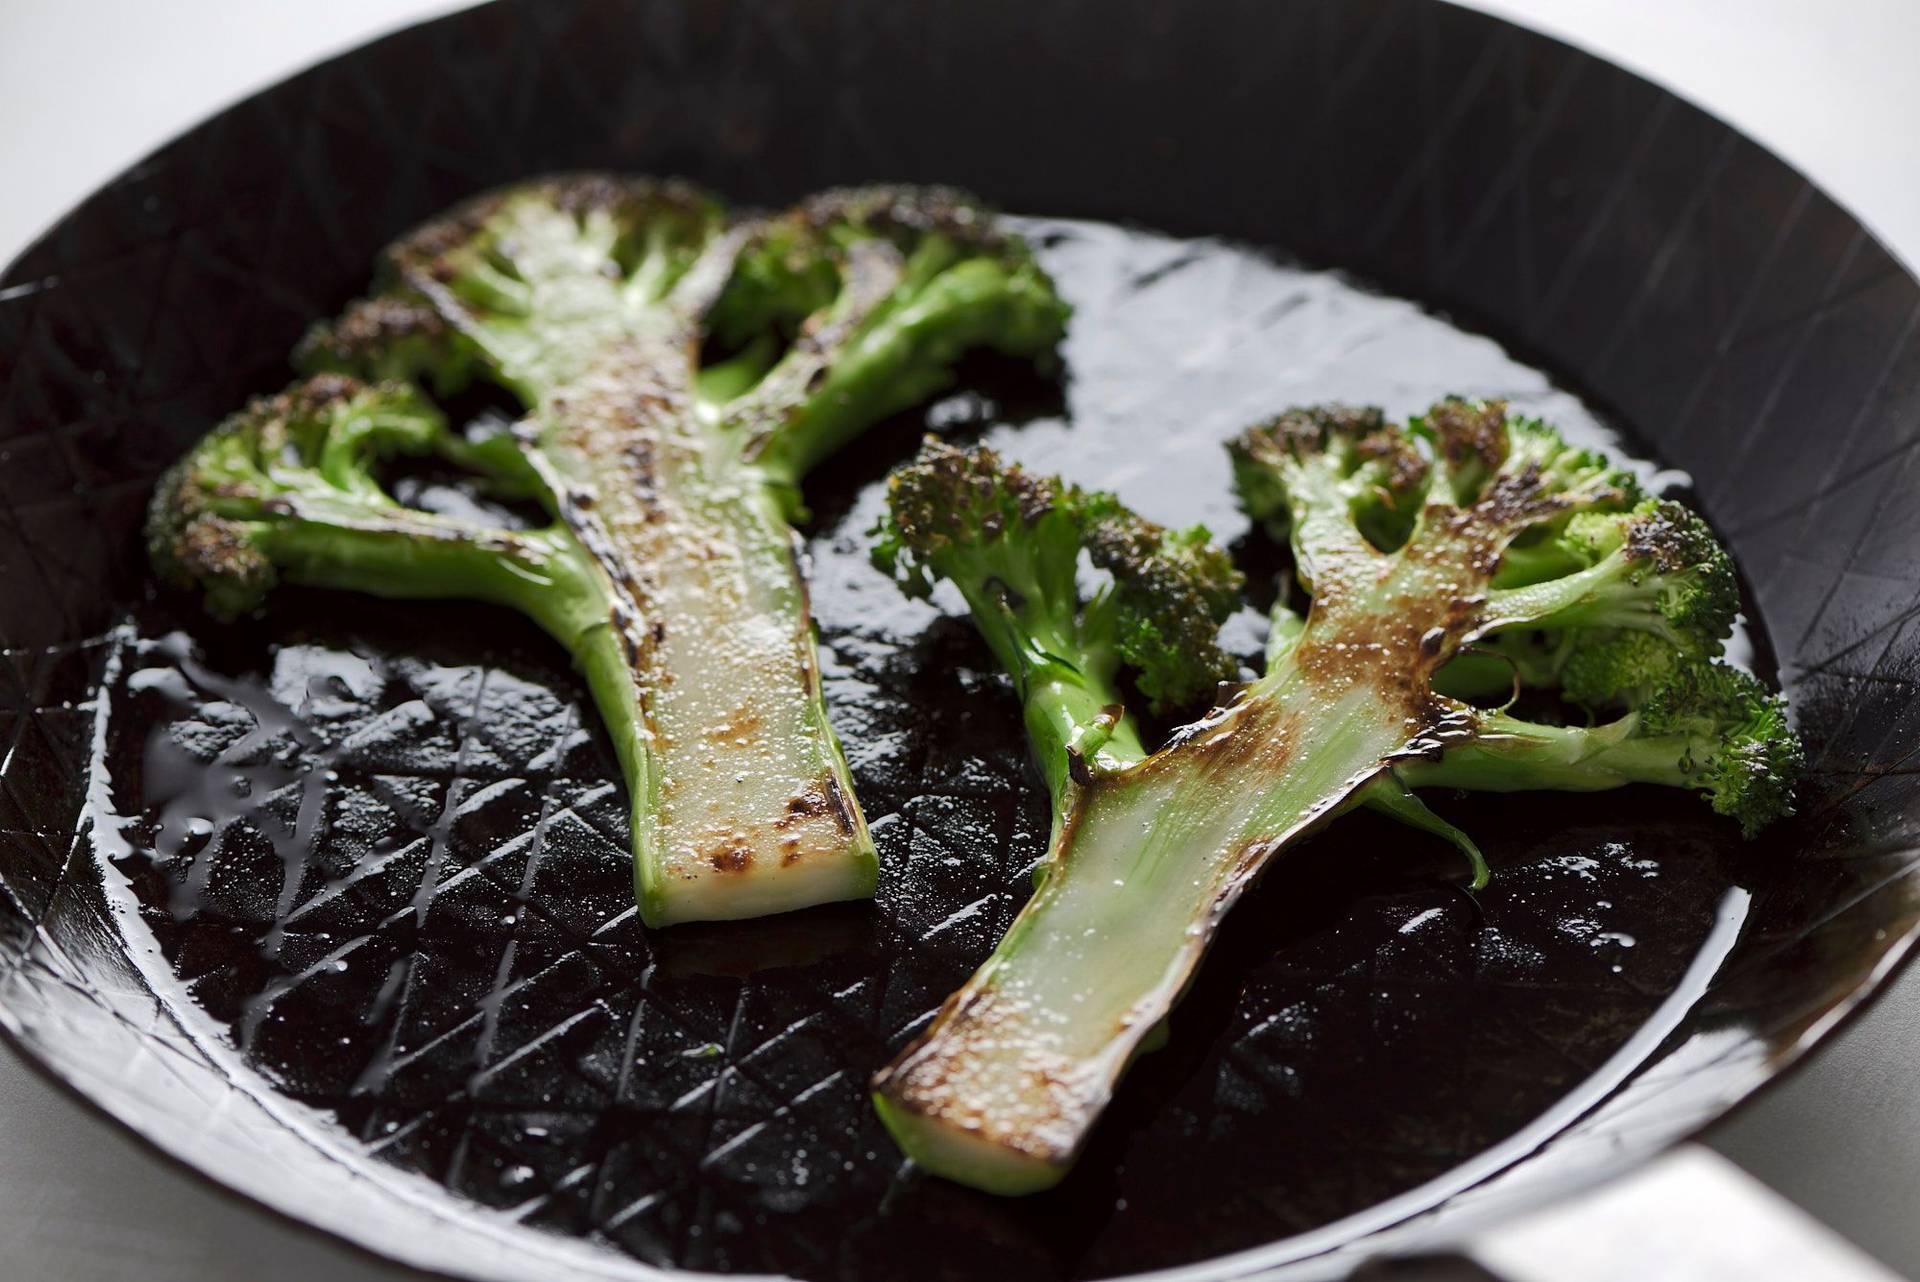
(397, 989)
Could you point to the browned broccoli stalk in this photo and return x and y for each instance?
(680, 372)
(1416, 545)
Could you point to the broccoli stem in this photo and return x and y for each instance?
(1534, 562)
(408, 555)
(1147, 865)
(1507, 754)
(750, 810)
(601, 656)
(1069, 693)
(905, 353)
(1605, 594)
(1068, 716)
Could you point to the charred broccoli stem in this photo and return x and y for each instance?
(1388, 794)
(1400, 536)
(680, 372)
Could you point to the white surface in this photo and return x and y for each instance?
(1831, 87)
(92, 85)
(1648, 1228)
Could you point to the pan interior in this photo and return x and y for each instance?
(378, 852)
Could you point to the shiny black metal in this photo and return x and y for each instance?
(426, 1020)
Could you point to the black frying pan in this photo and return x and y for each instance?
(508, 1078)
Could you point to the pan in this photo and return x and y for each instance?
(397, 989)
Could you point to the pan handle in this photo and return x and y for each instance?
(1688, 1216)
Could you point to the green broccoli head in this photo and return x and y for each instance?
(1622, 601)
(1482, 448)
(966, 516)
(395, 336)
(1564, 468)
(1597, 590)
(1604, 667)
(1673, 558)
(1468, 439)
(1615, 599)
(1171, 591)
(218, 515)
(1737, 747)
(792, 266)
(1643, 589)
(1346, 462)
(1012, 544)
(1705, 726)
(913, 279)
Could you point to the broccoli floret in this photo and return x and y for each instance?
(1171, 591)
(1402, 537)
(1376, 478)
(1605, 666)
(667, 569)
(1604, 608)
(1653, 568)
(1013, 543)
(287, 488)
(1741, 751)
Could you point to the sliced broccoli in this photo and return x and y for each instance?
(680, 371)
(1386, 795)
(1402, 537)
(1012, 544)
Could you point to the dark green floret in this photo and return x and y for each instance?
(1743, 753)
(288, 488)
(1013, 544)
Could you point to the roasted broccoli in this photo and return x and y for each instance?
(1416, 545)
(680, 371)
(1013, 545)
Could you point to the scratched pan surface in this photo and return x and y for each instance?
(335, 906)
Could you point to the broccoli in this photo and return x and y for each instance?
(1402, 538)
(681, 371)
(1013, 545)
(1386, 794)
